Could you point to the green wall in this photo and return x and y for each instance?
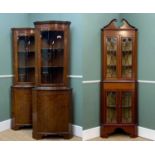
(146, 62)
(7, 21)
(146, 110)
(5, 95)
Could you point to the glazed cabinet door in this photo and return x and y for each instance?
(127, 107)
(110, 63)
(52, 61)
(111, 107)
(52, 56)
(24, 56)
(119, 106)
(128, 57)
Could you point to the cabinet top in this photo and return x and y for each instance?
(22, 28)
(52, 88)
(52, 22)
(125, 26)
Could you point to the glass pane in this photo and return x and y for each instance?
(51, 75)
(111, 107)
(26, 43)
(126, 107)
(127, 57)
(26, 59)
(52, 58)
(111, 46)
(52, 39)
(26, 74)
(52, 54)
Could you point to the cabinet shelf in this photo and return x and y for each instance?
(26, 52)
(52, 66)
(26, 67)
(26, 35)
(52, 49)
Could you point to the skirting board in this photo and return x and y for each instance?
(4, 125)
(77, 130)
(89, 133)
(86, 134)
(146, 133)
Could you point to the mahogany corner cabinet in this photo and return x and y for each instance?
(41, 93)
(119, 79)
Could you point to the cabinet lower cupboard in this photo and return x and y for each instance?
(21, 106)
(119, 108)
(52, 112)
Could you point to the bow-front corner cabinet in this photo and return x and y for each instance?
(119, 79)
(52, 96)
(23, 42)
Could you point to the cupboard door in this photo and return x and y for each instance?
(127, 52)
(22, 107)
(51, 110)
(111, 57)
(111, 98)
(127, 106)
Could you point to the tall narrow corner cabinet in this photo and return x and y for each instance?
(119, 79)
(52, 96)
(23, 43)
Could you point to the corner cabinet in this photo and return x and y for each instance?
(23, 41)
(119, 79)
(52, 96)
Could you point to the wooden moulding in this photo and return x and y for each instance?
(51, 22)
(112, 26)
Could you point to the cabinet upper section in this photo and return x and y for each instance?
(119, 52)
(23, 43)
(52, 46)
